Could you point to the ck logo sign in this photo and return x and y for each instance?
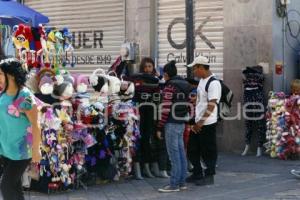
(198, 32)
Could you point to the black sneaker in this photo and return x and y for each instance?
(182, 187)
(192, 179)
(168, 189)
(208, 180)
(200, 182)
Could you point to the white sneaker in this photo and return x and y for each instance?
(295, 173)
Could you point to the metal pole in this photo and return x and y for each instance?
(190, 38)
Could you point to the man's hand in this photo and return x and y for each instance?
(197, 127)
(158, 135)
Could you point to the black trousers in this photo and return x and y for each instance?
(11, 184)
(252, 124)
(203, 145)
(258, 127)
(160, 153)
(148, 130)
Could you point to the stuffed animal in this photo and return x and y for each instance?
(67, 47)
(108, 86)
(127, 89)
(81, 83)
(63, 88)
(45, 79)
(24, 43)
(99, 82)
(21, 37)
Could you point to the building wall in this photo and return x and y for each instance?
(247, 42)
(140, 25)
(282, 52)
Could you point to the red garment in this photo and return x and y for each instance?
(168, 92)
(186, 135)
(116, 64)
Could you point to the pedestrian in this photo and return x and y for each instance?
(202, 143)
(19, 130)
(174, 115)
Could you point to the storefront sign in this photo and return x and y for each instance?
(198, 32)
(88, 39)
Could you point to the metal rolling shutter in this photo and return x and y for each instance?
(92, 16)
(208, 16)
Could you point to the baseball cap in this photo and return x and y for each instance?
(200, 60)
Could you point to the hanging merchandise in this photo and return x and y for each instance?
(6, 41)
(117, 132)
(83, 138)
(107, 86)
(38, 48)
(283, 126)
(255, 105)
(125, 115)
(54, 168)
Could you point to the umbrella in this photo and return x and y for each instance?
(11, 21)
(12, 13)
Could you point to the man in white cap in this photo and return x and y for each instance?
(202, 143)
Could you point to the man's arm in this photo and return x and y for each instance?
(213, 95)
(210, 108)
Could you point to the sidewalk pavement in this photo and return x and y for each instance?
(237, 178)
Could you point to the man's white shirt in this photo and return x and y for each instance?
(203, 97)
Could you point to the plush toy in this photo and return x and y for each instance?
(65, 175)
(114, 84)
(51, 58)
(45, 79)
(99, 82)
(32, 81)
(21, 37)
(283, 121)
(67, 47)
(108, 86)
(63, 88)
(81, 83)
(127, 89)
(24, 43)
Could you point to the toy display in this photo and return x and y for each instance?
(283, 131)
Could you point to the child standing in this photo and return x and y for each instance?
(19, 129)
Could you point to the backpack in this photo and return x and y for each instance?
(225, 100)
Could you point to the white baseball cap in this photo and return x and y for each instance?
(200, 60)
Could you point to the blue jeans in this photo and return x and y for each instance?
(175, 146)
